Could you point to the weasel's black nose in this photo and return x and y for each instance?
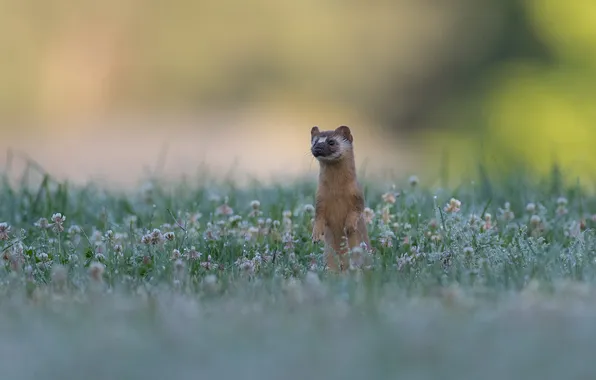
(317, 151)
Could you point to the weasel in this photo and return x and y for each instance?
(339, 202)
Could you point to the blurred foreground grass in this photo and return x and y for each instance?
(492, 279)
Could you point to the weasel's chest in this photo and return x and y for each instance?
(337, 207)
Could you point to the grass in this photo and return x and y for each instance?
(493, 279)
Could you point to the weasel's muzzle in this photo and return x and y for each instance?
(318, 150)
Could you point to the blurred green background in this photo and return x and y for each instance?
(500, 81)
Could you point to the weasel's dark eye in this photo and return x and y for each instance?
(331, 142)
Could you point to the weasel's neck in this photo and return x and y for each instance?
(338, 174)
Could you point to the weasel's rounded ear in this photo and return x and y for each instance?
(345, 132)
(314, 131)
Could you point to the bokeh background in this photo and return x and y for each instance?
(115, 89)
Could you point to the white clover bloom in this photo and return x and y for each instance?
(535, 220)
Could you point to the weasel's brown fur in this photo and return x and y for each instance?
(339, 198)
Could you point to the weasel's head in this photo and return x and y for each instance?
(330, 146)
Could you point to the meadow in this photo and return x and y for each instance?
(202, 278)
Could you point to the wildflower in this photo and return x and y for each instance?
(308, 208)
(468, 251)
(234, 219)
(433, 224)
(535, 220)
(193, 254)
(402, 261)
(224, 209)
(96, 237)
(169, 236)
(156, 236)
(194, 218)
(389, 198)
(453, 206)
(531, 208)
(42, 256)
(117, 248)
(415, 251)
(42, 223)
(487, 222)
(413, 181)
(386, 238)
(208, 264)
(506, 213)
(146, 239)
(573, 230)
(267, 257)
(4, 230)
(287, 224)
(288, 241)
(250, 232)
(561, 206)
(58, 221)
(175, 254)
(96, 270)
(246, 265)
(211, 232)
(256, 209)
(74, 230)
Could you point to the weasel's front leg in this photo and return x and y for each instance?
(318, 231)
(352, 223)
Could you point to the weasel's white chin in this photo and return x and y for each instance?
(327, 158)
